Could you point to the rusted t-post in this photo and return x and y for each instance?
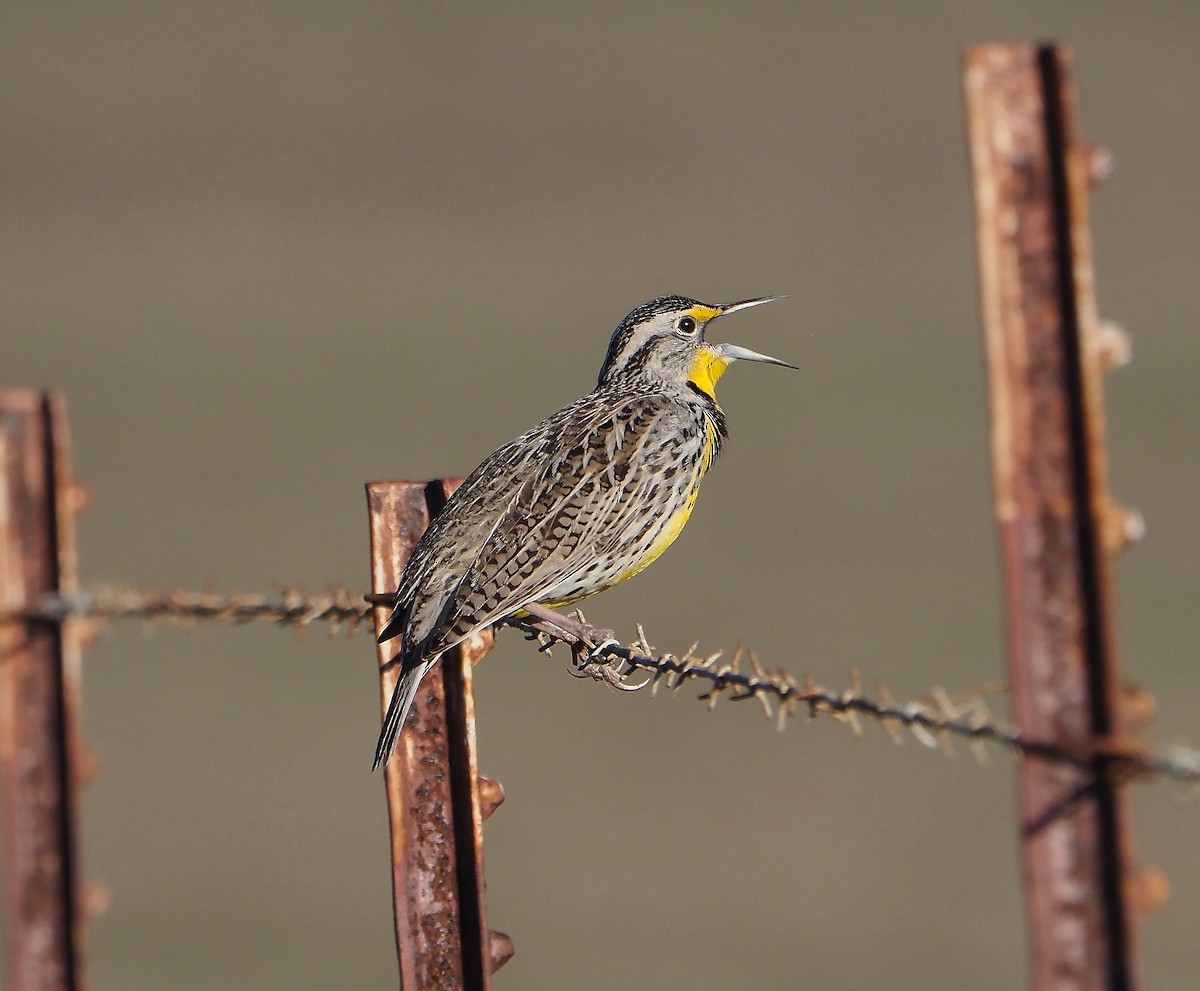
(436, 799)
(39, 699)
(1057, 525)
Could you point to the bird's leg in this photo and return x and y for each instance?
(587, 644)
(574, 631)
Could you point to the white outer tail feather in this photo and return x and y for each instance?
(398, 708)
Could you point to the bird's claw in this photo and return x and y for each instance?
(591, 663)
(585, 652)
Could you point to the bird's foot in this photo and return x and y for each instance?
(589, 645)
(595, 663)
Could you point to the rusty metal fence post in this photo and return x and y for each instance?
(39, 699)
(1044, 366)
(437, 800)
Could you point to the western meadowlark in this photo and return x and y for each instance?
(587, 498)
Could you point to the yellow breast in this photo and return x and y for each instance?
(679, 518)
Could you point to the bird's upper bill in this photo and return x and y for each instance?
(711, 360)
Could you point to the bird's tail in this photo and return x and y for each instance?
(401, 701)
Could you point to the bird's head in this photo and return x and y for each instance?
(663, 341)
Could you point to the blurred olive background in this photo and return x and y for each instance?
(272, 251)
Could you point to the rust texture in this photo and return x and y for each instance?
(39, 699)
(435, 808)
(1044, 366)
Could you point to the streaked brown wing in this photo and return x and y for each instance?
(569, 516)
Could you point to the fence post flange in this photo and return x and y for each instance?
(435, 806)
(1043, 345)
(39, 698)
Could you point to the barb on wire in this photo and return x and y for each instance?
(291, 607)
(934, 721)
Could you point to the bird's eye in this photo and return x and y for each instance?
(687, 325)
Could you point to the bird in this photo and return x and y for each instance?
(586, 499)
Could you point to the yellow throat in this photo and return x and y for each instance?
(707, 366)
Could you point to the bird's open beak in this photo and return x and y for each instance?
(731, 352)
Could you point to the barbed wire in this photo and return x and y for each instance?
(290, 607)
(934, 720)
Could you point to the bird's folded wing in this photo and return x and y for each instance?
(567, 517)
